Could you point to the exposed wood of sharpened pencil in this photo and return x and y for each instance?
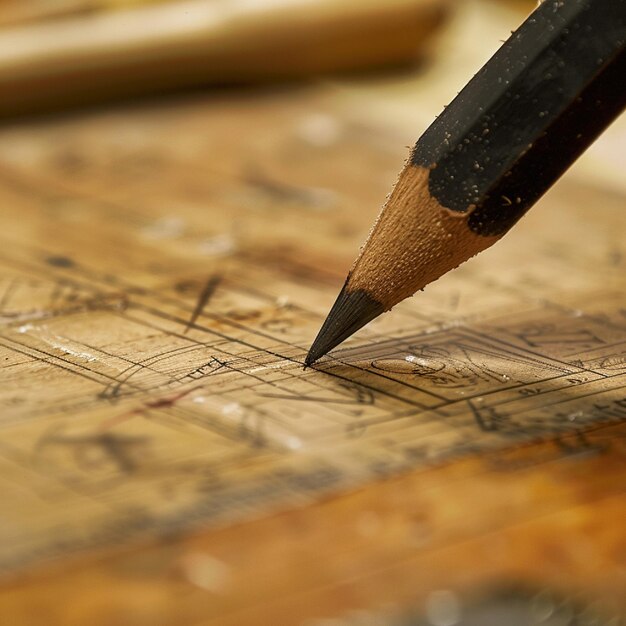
(194, 42)
(537, 104)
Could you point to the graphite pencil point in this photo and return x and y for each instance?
(351, 311)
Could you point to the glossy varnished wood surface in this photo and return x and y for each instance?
(542, 516)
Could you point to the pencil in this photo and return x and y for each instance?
(524, 118)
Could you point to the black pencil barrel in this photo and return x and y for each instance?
(540, 101)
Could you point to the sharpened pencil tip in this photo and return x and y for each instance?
(351, 311)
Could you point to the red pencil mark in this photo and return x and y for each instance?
(161, 403)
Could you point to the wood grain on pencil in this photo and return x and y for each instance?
(420, 229)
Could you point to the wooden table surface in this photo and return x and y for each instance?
(460, 461)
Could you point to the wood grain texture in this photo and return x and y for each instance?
(166, 461)
(463, 526)
(413, 242)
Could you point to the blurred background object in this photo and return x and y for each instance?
(21, 11)
(98, 56)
